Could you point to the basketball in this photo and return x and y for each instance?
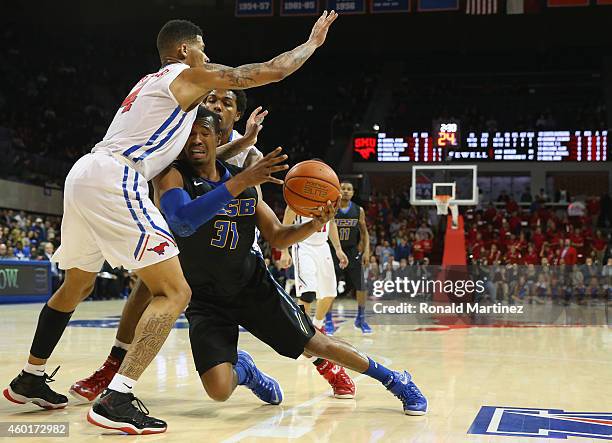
(309, 185)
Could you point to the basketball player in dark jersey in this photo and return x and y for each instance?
(232, 286)
(355, 242)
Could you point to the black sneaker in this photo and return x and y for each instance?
(33, 388)
(115, 410)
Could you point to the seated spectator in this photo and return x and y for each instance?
(402, 250)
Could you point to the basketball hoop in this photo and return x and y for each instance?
(442, 202)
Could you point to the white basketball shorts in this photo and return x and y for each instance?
(314, 270)
(108, 216)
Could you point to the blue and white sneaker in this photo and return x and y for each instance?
(262, 385)
(329, 325)
(365, 327)
(402, 386)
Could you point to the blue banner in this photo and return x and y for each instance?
(297, 7)
(254, 8)
(378, 6)
(438, 5)
(24, 281)
(347, 6)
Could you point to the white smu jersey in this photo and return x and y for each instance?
(318, 238)
(150, 129)
(238, 160)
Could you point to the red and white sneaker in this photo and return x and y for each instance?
(89, 388)
(342, 385)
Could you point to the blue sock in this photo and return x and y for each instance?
(379, 372)
(328, 316)
(242, 373)
(360, 311)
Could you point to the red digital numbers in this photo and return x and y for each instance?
(447, 139)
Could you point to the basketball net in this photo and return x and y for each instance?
(443, 203)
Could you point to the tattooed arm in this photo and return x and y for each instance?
(194, 83)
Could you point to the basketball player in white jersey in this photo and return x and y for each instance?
(315, 276)
(108, 215)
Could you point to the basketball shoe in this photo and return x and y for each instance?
(342, 385)
(28, 387)
(401, 385)
(89, 388)
(362, 325)
(116, 410)
(330, 328)
(262, 385)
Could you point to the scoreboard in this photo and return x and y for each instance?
(446, 145)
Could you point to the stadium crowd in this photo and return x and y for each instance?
(543, 252)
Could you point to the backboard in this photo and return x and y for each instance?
(457, 181)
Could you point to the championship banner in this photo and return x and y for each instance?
(254, 8)
(347, 6)
(381, 6)
(438, 5)
(294, 8)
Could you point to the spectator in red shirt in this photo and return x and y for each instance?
(577, 240)
(476, 245)
(531, 257)
(513, 257)
(538, 239)
(490, 213)
(569, 254)
(515, 223)
(599, 244)
(511, 206)
(418, 249)
(493, 254)
(426, 243)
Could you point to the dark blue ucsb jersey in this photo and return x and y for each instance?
(347, 221)
(217, 259)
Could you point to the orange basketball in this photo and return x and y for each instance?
(309, 185)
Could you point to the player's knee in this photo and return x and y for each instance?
(308, 297)
(179, 293)
(218, 391)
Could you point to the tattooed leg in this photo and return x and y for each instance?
(170, 297)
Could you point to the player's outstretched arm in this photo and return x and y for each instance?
(280, 235)
(186, 215)
(192, 84)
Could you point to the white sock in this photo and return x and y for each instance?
(35, 369)
(318, 323)
(121, 383)
(122, 345)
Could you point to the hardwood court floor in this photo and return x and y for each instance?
(460, 370)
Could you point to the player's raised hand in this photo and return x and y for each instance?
(261, 171)
(254, 125)
(320, 28)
